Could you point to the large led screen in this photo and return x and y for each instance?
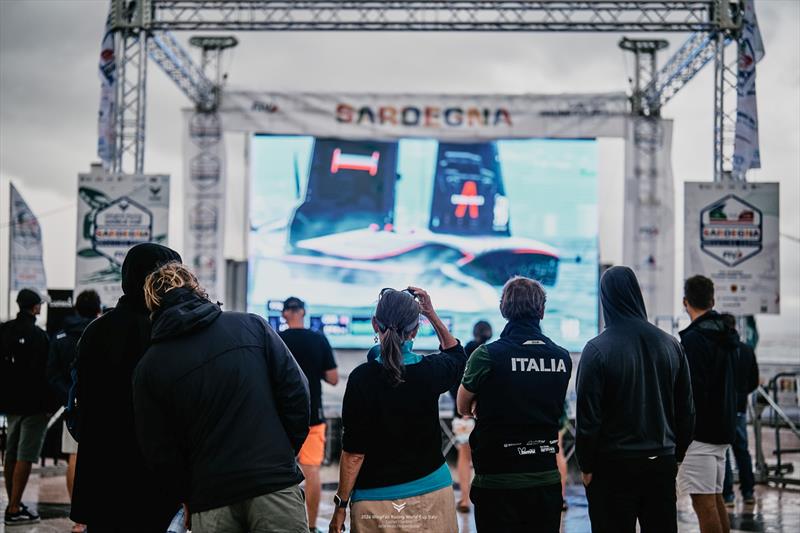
(334, 221)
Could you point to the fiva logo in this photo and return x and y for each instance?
(399, 506)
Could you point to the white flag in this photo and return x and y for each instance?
(27, 267)
(106, 118)
(746, 153)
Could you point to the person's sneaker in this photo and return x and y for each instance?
(729, 501)
(749, 499)
(23, 516)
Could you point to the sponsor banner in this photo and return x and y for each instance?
(746, 153)
(204, 200)
(446, 118)
(116, 212)
(106, 122)
(731, 236)
(25, 247)
(649, 218)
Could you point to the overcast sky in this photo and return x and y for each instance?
(49, 94)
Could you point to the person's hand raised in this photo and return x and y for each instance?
(424, 299)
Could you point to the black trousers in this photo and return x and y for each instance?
(535, 509)
(623, 491)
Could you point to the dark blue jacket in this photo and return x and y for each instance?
(520, 404)
(634, 391)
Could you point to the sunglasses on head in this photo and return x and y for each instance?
(387, 289)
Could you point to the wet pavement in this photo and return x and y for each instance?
(775, 510)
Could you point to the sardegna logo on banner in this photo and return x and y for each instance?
(203, 219)
(731, 230)
(120, 225)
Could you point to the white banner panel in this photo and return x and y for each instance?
(25, 243)
(731, 236)
(116, 212)
(444, 117)
(204, 200)
(649, 218)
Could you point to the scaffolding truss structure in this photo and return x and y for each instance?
(144, 28)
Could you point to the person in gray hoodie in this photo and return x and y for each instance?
(635, 414)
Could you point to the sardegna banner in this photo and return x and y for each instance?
(731, 236)
(115, 213)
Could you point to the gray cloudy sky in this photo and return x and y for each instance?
(49, 94)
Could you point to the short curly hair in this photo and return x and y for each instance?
(167, 277)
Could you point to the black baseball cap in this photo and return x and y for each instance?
(27, 298)
(293, 303)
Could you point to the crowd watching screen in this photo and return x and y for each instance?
(334, 221)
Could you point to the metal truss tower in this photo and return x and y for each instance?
(143, 27)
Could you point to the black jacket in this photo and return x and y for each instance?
(222, 407)
(114, 490)
(634, 390)
(746, 376)
(711, 348)
(23, 362)
(62, 353)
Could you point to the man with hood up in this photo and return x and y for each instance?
(712, 350)
(635, 414)
(114, 491)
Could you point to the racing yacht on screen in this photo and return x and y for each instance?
(345, 227)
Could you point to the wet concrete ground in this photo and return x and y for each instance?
(775, 510)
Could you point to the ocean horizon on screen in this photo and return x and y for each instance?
(550, 191)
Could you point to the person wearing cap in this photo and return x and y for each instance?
(109, 351)
(23, 397)
(315, 357)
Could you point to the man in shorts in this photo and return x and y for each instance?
(315, 357)
(23, 354)
(710, 347)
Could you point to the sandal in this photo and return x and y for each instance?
(78, 528)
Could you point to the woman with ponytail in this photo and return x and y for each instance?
(392, 471)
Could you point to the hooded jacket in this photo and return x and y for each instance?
(62, 354)
(222, 407)
(23, 360)
(114, 490)
(634, 389)
(712, 350)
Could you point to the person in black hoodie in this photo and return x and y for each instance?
(711, 348)
(222, 409)
(23, 398)
(59, 371)
(746, 382)
(108, 352)
(635, 414)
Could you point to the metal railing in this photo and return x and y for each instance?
(780, 421)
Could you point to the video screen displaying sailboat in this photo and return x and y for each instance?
(334, 220)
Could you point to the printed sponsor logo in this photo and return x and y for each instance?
(425, 116)
(731, 230)
(205, 129)
(263, 107)
(399, 506)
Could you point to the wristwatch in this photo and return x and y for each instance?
(339, 502)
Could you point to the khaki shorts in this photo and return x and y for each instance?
(25, 437)
(68, 444)
(282, 511)
(703, 469)
(434, 512)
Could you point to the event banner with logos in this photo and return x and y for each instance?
(204, 200)
(27, 266)
(731, 236)
(444, 117)
(649, 218)
(116, 212)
